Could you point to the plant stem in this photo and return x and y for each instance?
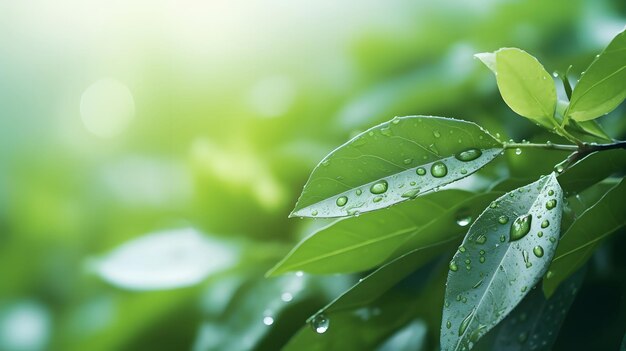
(541, 146)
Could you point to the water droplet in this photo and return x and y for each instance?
(411, 194)
(503, 219)
(552, 239)
(551, 204)
(286, 297)
(379, 187)
(493, 205)
(453, 266)
(524, 288)
(461, 248)
(465, 323)
(395, 120)
(314, 213)
(436, 134)
(481, 239)
(518, 151)
(520, 227)
(550, 192)
(458, 297)
(320, 323)
(420, 171)
(481, 259)
(386, 131)
(549, 275)
(377, 199)
(545, 223)
(267, 320)
(464, 299)
(342, 201)
(359, 192)
(448, 324)
(439, 169)
(502, 238)
(464, 220)
(468, 155)
(558, 168)
(540, 233)
(555, 74)
(538, 251)
(408, 161)
(468, 261)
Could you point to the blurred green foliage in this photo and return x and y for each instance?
(234, 104)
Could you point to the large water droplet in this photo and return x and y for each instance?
(538, 251)
(463, 220)
(341, 201)
(503, 219)
(465, 323)
(320, 323)
(551, 204)
(439, 169)
(520, 227)
(468, 155)
(420, 171)
(379, 187)
(545, 223)
(453, 266)
(518, 151)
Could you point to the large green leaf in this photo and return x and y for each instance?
(393, 162)
(602, 87)
(504, 254)
(524, 84)
(534, 324)
(359, 243)
(585, 234)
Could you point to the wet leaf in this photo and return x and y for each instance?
(505, 253)
(524, 84)
(585, 234)
(359, 243)
(394, 162)
(602, 87)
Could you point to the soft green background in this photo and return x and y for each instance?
(235, 103)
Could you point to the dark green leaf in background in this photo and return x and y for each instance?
(505, 253)
(393, 162)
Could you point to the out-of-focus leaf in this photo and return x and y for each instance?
(602, 87)
(505, 253)
(524, 84)
(393, 162)
(359, 243)
(585, 234)
(378, 282)
(591, 128)
(410, 338)
(166, 260)
(592, 169)
(534, 324)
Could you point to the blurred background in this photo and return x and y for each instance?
(150, 151)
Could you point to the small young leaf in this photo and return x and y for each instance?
(602, 87)
(585, 234)
(502, 256)
(356, 244)
(393, 162)
(524, 84)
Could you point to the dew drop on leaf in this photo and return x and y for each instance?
(468, 155)
(453, 266)
(520, 227)
(545, 223)
(503, 219)
(439, 169)
(420, 171)
(379, 187)
(320, 323)
(463, 221)
(538, 251)
(465, 323)
(342, 201)
(551, 204)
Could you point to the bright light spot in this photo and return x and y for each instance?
(299, 274)
(286, 297)
(24, 327)
(107, 108)
(165, 260)
(267, 320)
(272, 96)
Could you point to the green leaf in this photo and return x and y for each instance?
(378, 282)
(502, 257)
(602, 87)
(524, 84)
(534, 324)
(592, 169)
(393, 162)
(359, 243)
(585, 234)
(591, 128)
